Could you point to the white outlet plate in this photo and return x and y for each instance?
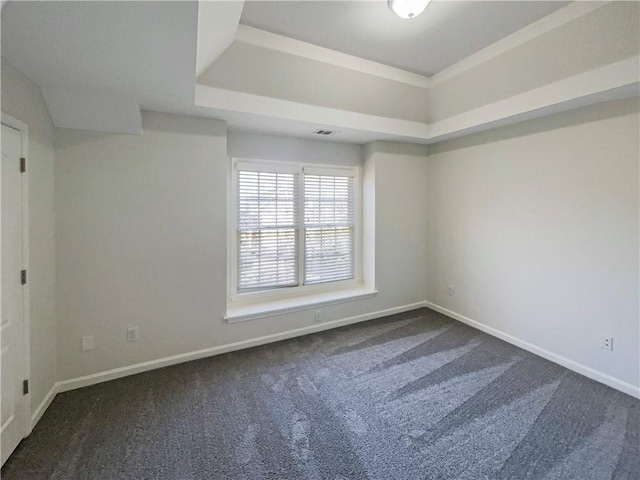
(88, 343)
(607, 343)
(132, 334)
(450, 290)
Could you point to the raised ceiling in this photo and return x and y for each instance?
(444, 34)
(98, 63)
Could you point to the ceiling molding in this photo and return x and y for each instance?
(534, 30)
(617, 80)
(217, 26)
(91, 85)
(610, 82)
(218, 98)
(261, 38)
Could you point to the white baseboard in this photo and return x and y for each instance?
(100, 377)
(44, 404)
(589, 372)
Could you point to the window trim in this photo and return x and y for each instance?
(244, 312)
(236, 298)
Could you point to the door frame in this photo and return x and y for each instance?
(23, 128)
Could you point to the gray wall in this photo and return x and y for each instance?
(536, 226)
(287, 149)
(142, 239)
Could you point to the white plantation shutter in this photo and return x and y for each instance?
(267, 229)
(295, 225)
(329, 222)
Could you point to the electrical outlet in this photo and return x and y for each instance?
(450, 290)
(607, 343)
(88, 343)
(317, 317)
(132, 334)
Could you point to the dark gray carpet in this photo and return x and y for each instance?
(412, 396)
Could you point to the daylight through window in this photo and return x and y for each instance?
(295, 225)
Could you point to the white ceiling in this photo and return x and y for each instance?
(445, 33)
(125, 54)
(139, 50)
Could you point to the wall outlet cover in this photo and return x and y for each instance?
(132, 334)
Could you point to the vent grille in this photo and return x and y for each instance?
(325, 133)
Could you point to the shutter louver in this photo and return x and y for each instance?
(329, 210)
(268, 229)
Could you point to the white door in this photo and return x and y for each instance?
(13, 406)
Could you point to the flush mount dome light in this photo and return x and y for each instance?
(408, 8)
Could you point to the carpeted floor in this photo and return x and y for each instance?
(412, 396)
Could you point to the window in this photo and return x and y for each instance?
(296, 227)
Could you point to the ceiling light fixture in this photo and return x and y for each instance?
(408, 8)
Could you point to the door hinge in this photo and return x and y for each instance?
(25, 387)
(23, 165)
(23, 277)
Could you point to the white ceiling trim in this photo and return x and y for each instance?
(261, 38)
(617, 80)
(217, 26)
(562, 95)
(248, 103)
(620, 93)
(534, 30)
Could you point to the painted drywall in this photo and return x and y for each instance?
(601, 37)
(288, 149)
(141, 241)
(22, 99)
(400, 174)
(536, 227)
(262, 71)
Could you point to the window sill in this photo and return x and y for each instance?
(243, 313)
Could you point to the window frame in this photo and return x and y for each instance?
(301, 290)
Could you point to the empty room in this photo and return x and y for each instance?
(335, 240)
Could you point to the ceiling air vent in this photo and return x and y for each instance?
(325, 133)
